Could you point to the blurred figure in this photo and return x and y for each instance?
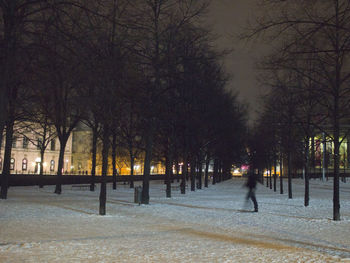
(251, 185)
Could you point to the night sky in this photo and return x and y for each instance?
(227, 19)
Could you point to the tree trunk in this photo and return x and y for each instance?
(93, 161)
(347, 152)
(41, 178)
(215, 172)
(7, 160)
(336, 115)
(3, 110)
(274, 173)
(262, 175)
(313, 164)
(270, 177)
(184, 175)
(217, 178)
(289, 160)
(147, 164)
(193, 174)
(7, 87)
(2, 127)
(324, 159)
(220, 171)
(200, 172)
(167, 175)
(132, 161)
(177, 169)
(306, 168)
(114, 161)
(63, 142)
(206, 176)
(281, 174)
(103, 190)
(336, 200)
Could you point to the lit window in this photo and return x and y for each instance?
(24, 164)
(12, 164)
(52, 165)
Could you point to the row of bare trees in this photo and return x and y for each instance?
(141, 74)
(309, 74)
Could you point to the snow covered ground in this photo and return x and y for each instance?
(209, 225)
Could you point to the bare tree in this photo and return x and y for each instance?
(19, 20)
(130, 132)
(152, 21)
(323, 26)
(40, 132)
(63, 76)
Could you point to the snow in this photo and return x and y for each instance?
(209, 225)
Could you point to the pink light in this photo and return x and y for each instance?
(245, 167)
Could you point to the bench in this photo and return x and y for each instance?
(81, 186)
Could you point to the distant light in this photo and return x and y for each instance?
(245, 167)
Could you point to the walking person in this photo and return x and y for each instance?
(251, 185)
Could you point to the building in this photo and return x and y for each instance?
(82, 157)
(81, 150)
(25, 154)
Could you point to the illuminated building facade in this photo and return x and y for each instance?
(25, 154)
(82, 157)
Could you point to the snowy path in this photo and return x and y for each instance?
(208, 225)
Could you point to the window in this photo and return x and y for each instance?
(39, 143)
(53, 145)
(12, 164)
(25, 142)
(24, 164)
(52, 165)
(14, 142)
